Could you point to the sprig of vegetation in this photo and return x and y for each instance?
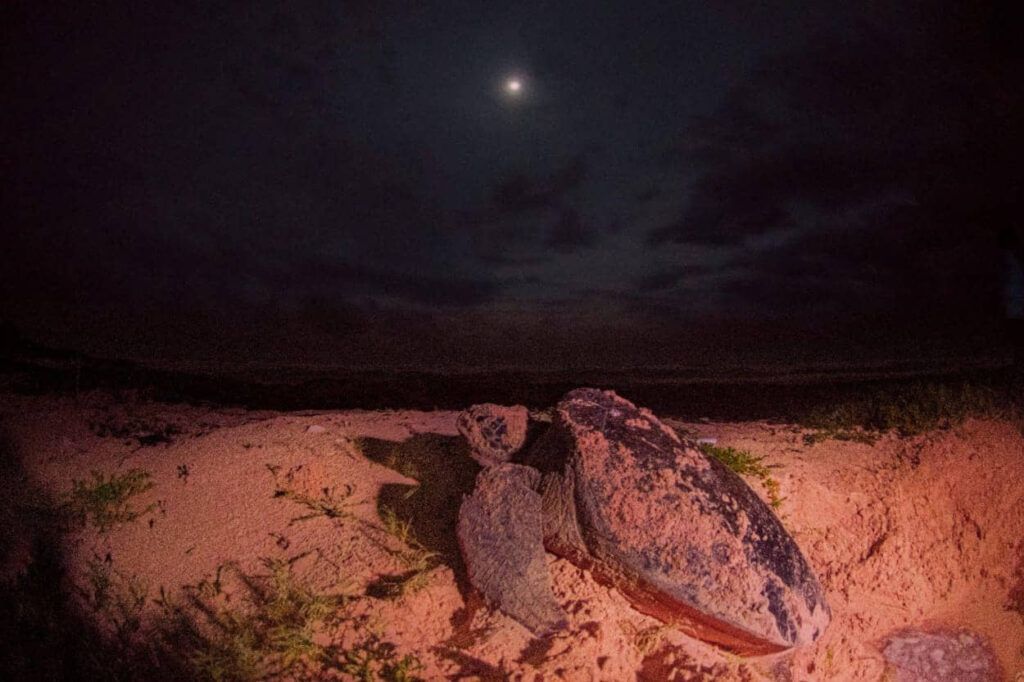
(271, 632)
(374, 659)
(330, 503)
(740, 461)
(145, 433)
(857, 435)
(117, 598)
(415, 557)
(106, 500)
(444, 473)
(746, 464)
(270, 635)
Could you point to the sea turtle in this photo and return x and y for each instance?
(613, 490)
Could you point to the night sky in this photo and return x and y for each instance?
(355, 183)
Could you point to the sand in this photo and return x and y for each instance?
(921, 532)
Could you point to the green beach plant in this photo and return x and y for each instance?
(746, 464)
(106, 500)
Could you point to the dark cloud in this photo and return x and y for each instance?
(533, 219)
(648, 194)
(521, 193)
(736, 127)
(570, 233)
(863, 173)
(356, 281)
(849, 119)
(662, 280)
(198, 156)
(910, 263)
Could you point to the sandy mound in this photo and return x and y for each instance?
(242, 524)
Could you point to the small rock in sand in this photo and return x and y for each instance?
(941, 656)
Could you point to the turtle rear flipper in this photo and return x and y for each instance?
(501, 536)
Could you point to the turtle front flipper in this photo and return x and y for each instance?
(501, 534)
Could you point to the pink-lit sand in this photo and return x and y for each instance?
(917, 532)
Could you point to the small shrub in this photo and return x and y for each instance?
(116, 598)
(373, 659)
(145, 433)
(746, 464)
(106, 500)
(271, 634)
(740, 461)
(909, 409)
(851, 435)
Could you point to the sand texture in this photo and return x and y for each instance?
(909, 534)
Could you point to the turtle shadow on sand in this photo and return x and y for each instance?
(445, 472)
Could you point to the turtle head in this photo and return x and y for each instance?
(495, 433)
